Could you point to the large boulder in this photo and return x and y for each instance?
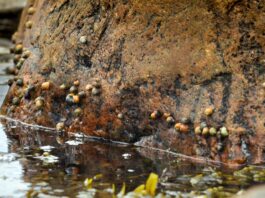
(141, 67)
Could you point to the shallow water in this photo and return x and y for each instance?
(44, 163)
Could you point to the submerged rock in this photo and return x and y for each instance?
(174, 57)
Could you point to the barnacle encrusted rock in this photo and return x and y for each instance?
(177, 57)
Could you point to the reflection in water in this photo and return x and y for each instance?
(43, 161)
(4, 141)
(79, 159)
(11, 174)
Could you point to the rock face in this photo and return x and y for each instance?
(135, 60)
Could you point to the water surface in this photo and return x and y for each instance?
(43, 163)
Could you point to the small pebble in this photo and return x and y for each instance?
(224, 132)
(177, 126)
(120, 116)
(21, 60)
(209, 111)
(10, 82)
(184, 128)
(60, 126)
(198, 130)
(28, 91)
(18, 49)
(26, 54)
(69, 99)
(170, 120)
(20, 63)
(73, 89)
(155, 115)
(205, 131)
(31, 10)
(185, 120)
(29, 24)
(95, 91)
(77, 111)
(76, 99)
(212, 131)
(15, 101)
(63, 87)
(166, 115)
(18, 66)
(89, 87)
(82, 39)
(203, 125)
(39, 102)
(82, 94)
(72, 99)
(20, 82)
(45, 85)
(17, 58)
(219, 146)
(46, 154)
(76, 83)
(263, 85)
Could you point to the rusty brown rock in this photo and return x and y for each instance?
(178, 57)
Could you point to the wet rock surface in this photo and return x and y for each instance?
(139, 63)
